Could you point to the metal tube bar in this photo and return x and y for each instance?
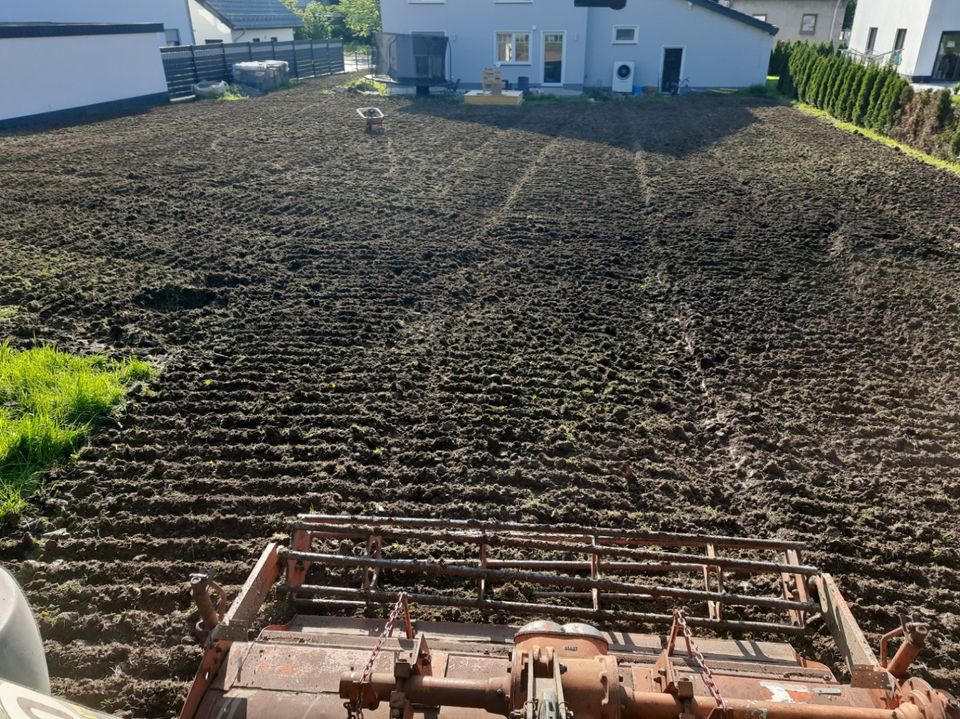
(493, 540)
(493, 696)
(614, 617)
(618, 536)
(503, 575)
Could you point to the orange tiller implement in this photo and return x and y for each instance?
(320, 665)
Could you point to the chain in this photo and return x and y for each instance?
(355, 709)
(680, 616)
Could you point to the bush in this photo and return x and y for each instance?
(928, 123)
(862, 104)
(955, 145)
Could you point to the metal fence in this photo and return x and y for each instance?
(190, 64)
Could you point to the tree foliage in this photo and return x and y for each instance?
(362, 17)
(353, 19)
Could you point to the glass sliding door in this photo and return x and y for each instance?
(947, 65)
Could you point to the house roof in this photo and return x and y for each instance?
(253, 14)
(708, 4)
(736, 15)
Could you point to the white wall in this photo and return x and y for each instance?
(44, 82)
(944, 17)
(471, 27)
(888, 16)
(172, 13)
(283, 34)
(718, 51)
(206, 25)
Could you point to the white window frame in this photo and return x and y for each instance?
(513, 44)
(636, 34)
(563, 59)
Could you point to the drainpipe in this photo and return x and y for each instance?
(833, 25)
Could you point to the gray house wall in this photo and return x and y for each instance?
(787, 16)
(719, 51)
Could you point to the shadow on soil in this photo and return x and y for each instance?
(648, 124)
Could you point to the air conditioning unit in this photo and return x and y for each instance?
(623, 76)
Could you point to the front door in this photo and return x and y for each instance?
(672, 65)
(553, 51)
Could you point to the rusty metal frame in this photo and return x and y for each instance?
(576, 569)
(234, 626)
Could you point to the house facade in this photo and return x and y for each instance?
(226, 21)
(809, 20)
(566, 44)
(174, 15)
(920, 37)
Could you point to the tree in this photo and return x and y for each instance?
(362, 17)
(319, 21)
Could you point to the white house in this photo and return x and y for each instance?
(224, 21)
(572, 44)
(39, 86)
(922, 37)
(174, 15)
(809, 20)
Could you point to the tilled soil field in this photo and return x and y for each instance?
(699, 314)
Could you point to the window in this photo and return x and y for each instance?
(513, 47)
(762, 17)
(173, 37)
(808, 24)
(947, 65)
(256, 39)
(625, 34)
(273, 39)
(213, 42)
(901, 39)
(871, 39)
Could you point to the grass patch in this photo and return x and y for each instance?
(232, 94)
(883, 139)
(8, 311)
(362, 84)
(49, 400)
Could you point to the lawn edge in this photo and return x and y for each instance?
(913, 152)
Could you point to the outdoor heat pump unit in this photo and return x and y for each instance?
(623, 72)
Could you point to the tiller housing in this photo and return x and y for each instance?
(601, 582)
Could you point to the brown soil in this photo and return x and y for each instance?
(705, 313)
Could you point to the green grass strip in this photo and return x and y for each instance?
(49, 400)
(883, 139)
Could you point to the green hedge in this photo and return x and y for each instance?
(873, 97)
(818, 75)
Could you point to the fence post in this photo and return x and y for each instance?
(313, 60)
(250, 50)
(273, 49)
(226, 70)
(193, 61)
(296, 68)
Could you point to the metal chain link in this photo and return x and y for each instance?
(355, 709)
(681, 619)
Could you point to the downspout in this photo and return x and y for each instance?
(833, 25)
